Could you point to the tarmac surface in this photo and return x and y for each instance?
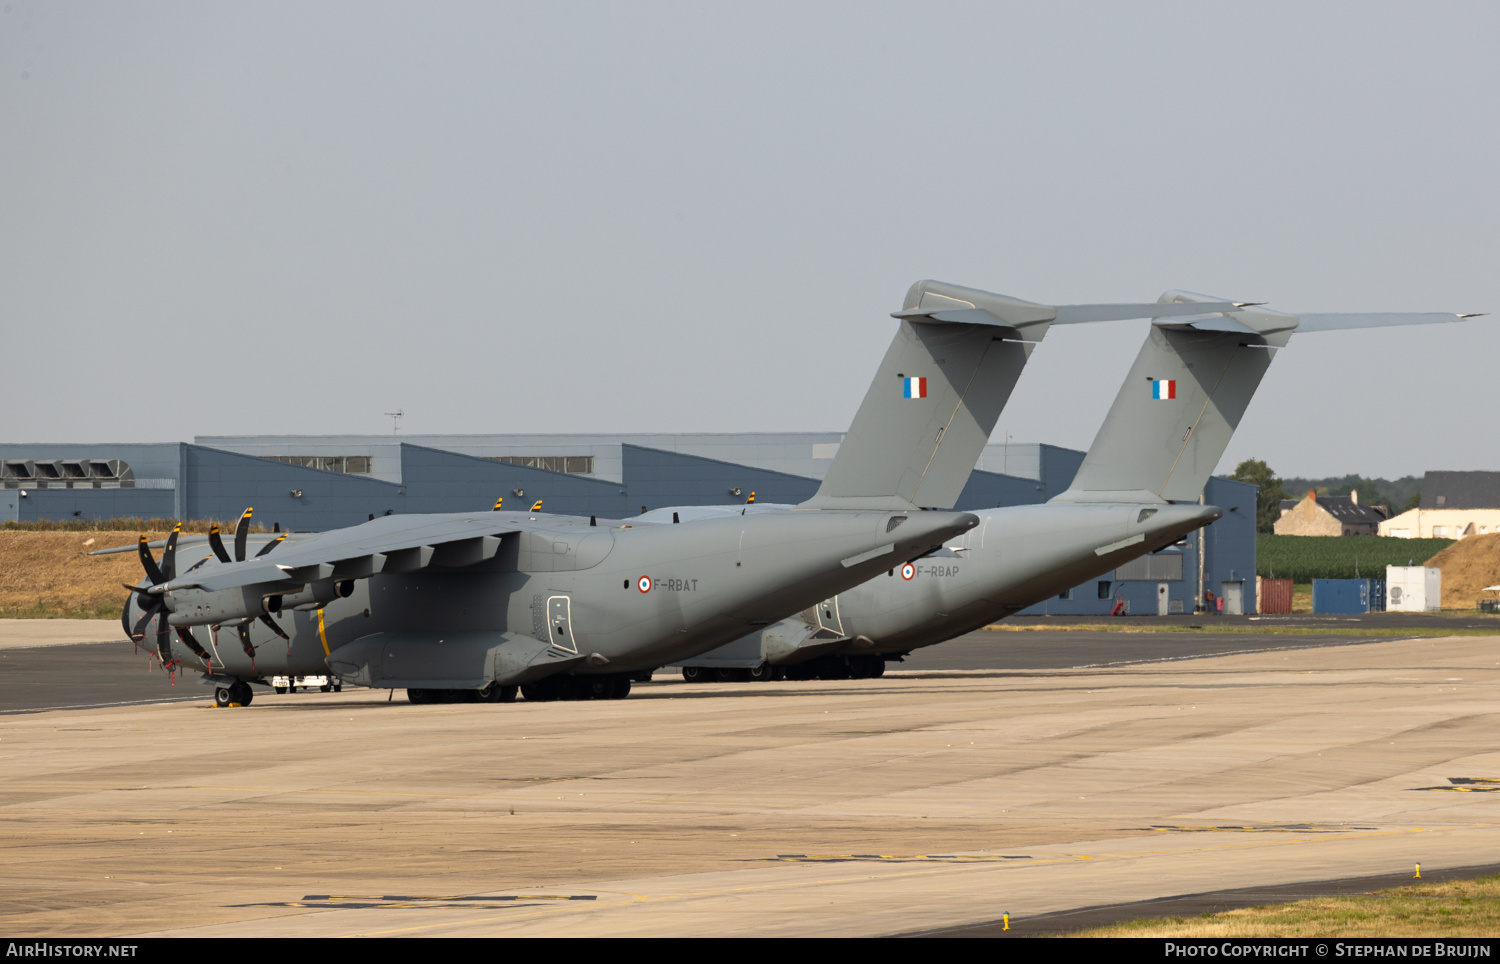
(1036, 780)
(46, 663)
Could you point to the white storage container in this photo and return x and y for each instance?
(1413, 589)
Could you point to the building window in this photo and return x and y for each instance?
(1104, 589)
(347, 464)
(1157, 567)
(571, 464)
(1065, 595)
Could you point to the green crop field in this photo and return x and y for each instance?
(1305, 558)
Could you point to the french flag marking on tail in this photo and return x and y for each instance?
(916, 387)
(1164, 388)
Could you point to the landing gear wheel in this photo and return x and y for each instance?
(420, 696)
(878, 670)
(536, 693)
(222, 696)
(762, 673)
(621, 689)
(495, 693)
(241, 693)
(695, 674)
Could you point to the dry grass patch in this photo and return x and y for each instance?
(1461, 908)
(50, 575)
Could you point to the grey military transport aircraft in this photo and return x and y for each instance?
(1137, 491)
(477, 605)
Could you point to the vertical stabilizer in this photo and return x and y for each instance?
(1179, 406)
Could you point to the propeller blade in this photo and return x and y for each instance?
(164, 643)
(125, 617)
(188, 640)
(140, 626)
(274, 627)
(216, 542)
(241, 532)
(271, 545)
(149, 564)
(244, 630)
(169, 554)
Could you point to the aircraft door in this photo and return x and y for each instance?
(828, 616)
(559, 618)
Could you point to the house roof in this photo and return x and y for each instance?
(1346, 510)
(1461, 490)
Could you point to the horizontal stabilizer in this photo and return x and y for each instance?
(1020, 314)
(1379, 319)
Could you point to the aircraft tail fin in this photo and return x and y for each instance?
(939, 390)
(1186, 393)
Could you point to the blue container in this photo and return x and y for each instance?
(1348, 596)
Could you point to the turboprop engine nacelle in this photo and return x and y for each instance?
(198, 607)
(314, 595)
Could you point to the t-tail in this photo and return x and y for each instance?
(938, 393)
(1187, 392)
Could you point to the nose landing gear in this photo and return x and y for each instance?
(237, 693)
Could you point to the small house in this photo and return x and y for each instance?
(1329, 515)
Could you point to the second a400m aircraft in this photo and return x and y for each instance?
(1137, 491)
(479, 604)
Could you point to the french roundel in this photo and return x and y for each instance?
(908, 570)
(644, 584)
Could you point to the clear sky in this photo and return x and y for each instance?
(244, 218)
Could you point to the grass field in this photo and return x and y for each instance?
(1462, 908)
(1305, 558)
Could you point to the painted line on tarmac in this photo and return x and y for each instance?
(1247, 652)
(98, 706)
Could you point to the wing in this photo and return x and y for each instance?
(388, 544)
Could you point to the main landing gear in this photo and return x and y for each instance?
(552, 688)
(493, 693)
(823, 667)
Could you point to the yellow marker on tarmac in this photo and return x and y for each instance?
(1006, 917)
(1419, 872)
